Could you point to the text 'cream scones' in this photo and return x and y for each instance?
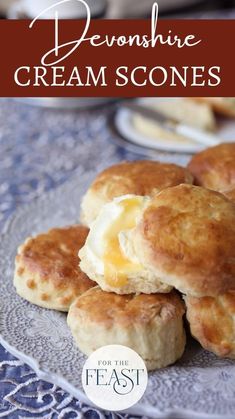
(212, 323)
(214, 168)
(186, 235)
(151, 325)
(107, 256)
(137, 178)
(47, 269)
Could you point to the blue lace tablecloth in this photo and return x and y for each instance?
(39, 150)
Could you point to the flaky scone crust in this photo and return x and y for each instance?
(187, 236)
(47, 269)
(151, 325)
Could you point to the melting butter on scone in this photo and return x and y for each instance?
(183, 237)
(108, 256)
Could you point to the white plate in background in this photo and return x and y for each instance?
(198, 386)
(125, 126)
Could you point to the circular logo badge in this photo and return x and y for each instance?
(114, 377)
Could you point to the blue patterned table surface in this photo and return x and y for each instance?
(39, 150)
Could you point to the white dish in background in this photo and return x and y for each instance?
(199, 386)
(124, 122)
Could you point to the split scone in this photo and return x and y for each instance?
(187, 237)
(108, 256)
(214, 168)
(151, 325)
(138, 178)
(212, 322)
(222, 105)
(230, 193)
(184, 237)
(47, 271)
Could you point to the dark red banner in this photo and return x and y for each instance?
(121, 58)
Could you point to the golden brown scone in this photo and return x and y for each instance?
(230, 194)
(187, 237)
(214, 168)
(138, 178)
(47, 271)
(143, 281)
(222, 105)
(212, 322)
(149, 324)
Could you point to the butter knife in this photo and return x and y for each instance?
(173, 125)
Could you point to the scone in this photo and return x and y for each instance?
(107, 254)
(151, 325)
(137, 178)
(212, 323)
(214, 168)
(184, 237)
(47, 271)
(222, 105)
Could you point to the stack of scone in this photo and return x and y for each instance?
(153, 236)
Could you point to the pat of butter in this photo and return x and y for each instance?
(116, 265)
(107, 245)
